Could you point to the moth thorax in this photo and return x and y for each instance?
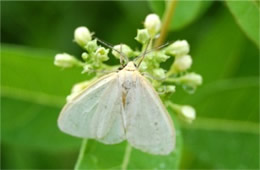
(130, 66)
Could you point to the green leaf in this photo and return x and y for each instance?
(94, 155)
(220, 149)
(225, 134)
(246, 14)
(185, 12)
(33, 91)
(17, 157)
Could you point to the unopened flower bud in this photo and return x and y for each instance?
(161, 57)
(188, 113)
(182, 63)
(84, 56)
(153, 24)
(92, 46)
(191, 79)
(86, 68)
(178, 48)
(65, 60)
(142, 36)
(170, 88)
(77, 89)
(82, 36)
(125, 49)
(159, 72)
(102, 54)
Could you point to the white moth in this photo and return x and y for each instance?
(121, 106)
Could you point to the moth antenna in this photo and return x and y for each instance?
(111, 47)
(121, 59)
(144, 53)
(154, 49)
(157, 48)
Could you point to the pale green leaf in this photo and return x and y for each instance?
(246, 14)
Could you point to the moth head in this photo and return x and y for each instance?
(130, 66)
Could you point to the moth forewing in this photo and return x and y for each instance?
(149, 126)
(96, 112)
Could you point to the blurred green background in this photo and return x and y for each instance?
(224, 40)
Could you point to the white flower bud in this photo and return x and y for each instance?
(159, 73)
(125, 49)
(191, 79)
(188, 113)
(142, 36)
(178, 48)
(65, 60)
(77, 89)
(102, 54)
(82, 36)
(182, 63)
(84, 56)
(80, 86)
(153, 24)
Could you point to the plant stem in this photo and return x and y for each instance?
(81, 154)
(126, 157)
(167, 17)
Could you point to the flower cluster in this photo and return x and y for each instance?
(149, 57)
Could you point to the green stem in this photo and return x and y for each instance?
(127, 156)
(167, 18)
(81, 154)
(172, 80)
(173, 106)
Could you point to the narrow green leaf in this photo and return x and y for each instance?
(246, 13)
(186, 11)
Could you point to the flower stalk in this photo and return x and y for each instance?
(167, 18)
